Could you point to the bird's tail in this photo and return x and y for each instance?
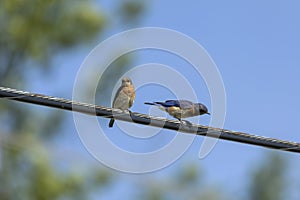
(153, 103)
(149, 103)
(111, 123)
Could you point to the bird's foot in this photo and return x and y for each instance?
(185, 122)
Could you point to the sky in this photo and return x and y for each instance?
(255, 46)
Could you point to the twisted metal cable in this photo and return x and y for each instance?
(60, 103)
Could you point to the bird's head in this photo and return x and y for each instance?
(126, 82)
(202, 109)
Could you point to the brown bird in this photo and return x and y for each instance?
(124, 97)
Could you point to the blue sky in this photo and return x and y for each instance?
(255, 45)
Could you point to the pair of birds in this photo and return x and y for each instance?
(179, 109)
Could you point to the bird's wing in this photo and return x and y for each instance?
(183, 104)
(116, 95)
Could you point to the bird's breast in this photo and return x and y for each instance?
(174, 111)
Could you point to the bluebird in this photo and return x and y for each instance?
(124, 97)
(181, 108)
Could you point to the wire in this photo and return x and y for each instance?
(60, 103)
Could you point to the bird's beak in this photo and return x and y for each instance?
(208, 113)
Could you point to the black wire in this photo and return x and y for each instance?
(54, 102)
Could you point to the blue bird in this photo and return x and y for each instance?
(181, 108)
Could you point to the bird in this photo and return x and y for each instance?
(124, 98)
(181, 108)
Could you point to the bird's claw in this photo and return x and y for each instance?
(185, 122)
(127, 111)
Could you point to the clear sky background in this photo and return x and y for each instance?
(256, 47)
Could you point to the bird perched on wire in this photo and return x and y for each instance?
(181, 108)
(124, 97)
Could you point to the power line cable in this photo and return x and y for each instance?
(134, 117)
